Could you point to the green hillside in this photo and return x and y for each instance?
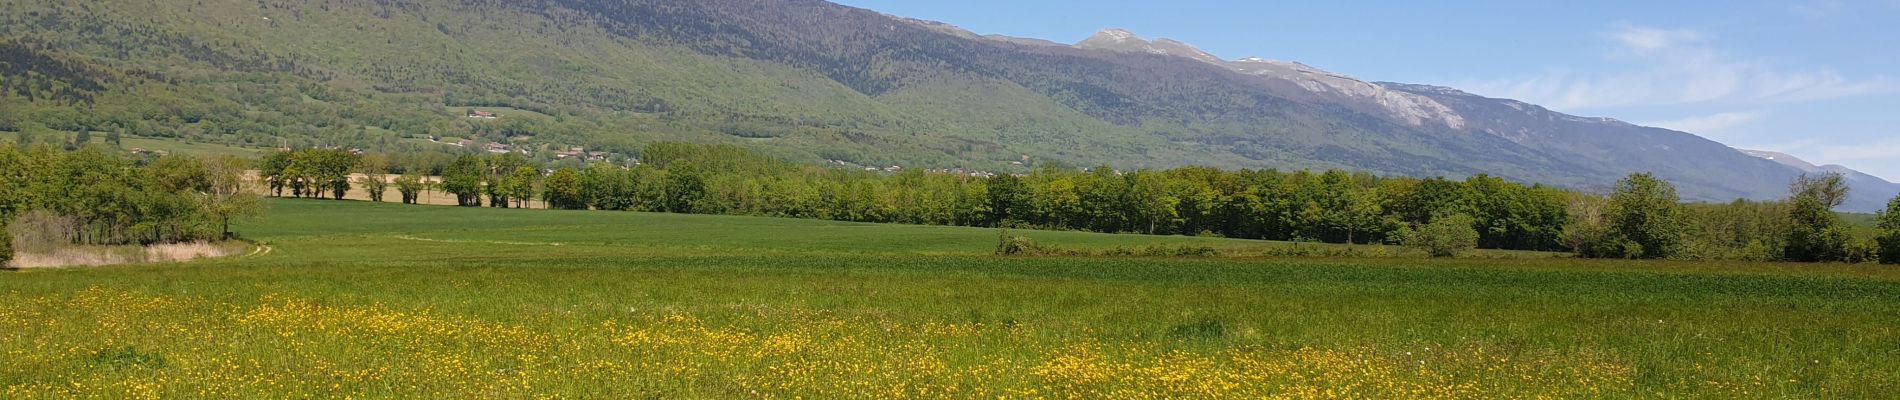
(172, 146)
(807, 81)
(235, 72)
(316, 74)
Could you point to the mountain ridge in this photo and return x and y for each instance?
(1855, 178)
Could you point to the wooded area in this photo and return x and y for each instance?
(1642, 218)
(96, 195)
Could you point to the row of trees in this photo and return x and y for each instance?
(309, 173)
(1332, 206)
(507, 180)
(1642, 218)
(98, 196)
(504, 180)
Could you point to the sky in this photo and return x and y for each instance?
(1818, 79)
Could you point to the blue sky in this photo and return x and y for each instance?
(1819, 79)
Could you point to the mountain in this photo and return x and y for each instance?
(1292, 79)
(1587, 144)
(1874, 188)
(802, 79)
(1125, 41)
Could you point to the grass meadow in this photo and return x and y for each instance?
(358, 300)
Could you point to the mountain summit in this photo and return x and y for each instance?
(1125, 41)
(1110, 39)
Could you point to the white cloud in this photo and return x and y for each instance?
(1818, 9)
(1651, 39)
(1652, 66)
(1713, 125)
(1880, 159)
(1883, 151)
(1817, 85)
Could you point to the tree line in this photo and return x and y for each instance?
(96, 195)
(1643, 217)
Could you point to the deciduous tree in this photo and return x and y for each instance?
(227, 198)
(463, 178)
(564, 190)
(521, 185)
(1644, 217)
(410, 187)
(1816, 234)
(375, 181)
(1889, 239)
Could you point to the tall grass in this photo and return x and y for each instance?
(92, 256)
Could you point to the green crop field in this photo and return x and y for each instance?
(350, 299)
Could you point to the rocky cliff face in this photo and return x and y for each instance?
(1310, 82)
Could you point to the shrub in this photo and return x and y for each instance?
(1887, 248)
(1860, 251)
(1374, 252)
(1179, 251)
(1759, 251)
(1826, 243)
(1446, 236)
(1011, 245)
(6, 247)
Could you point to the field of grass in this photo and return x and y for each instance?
(389, 301)
(507, 112)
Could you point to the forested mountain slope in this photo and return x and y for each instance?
(802, 79)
